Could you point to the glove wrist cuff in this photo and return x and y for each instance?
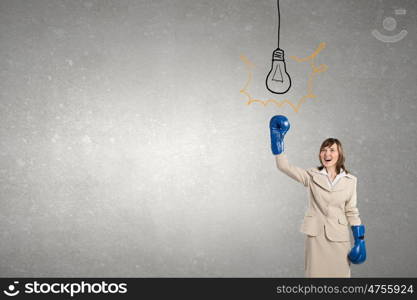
(358, 231)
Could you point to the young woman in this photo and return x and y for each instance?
(332, 207)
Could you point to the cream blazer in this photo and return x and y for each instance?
(331, 209)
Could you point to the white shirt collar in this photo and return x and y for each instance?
(324, 171)
(336, 179)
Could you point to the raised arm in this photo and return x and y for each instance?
(294, 172)
(279, 126)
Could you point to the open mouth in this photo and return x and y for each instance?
(327, 160)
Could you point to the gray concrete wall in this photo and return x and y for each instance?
(127, 148)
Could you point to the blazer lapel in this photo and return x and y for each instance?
(342, 183)
(321, 180)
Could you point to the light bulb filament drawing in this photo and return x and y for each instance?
(278, 81)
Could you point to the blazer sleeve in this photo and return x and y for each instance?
(294, 172)
(351, 210)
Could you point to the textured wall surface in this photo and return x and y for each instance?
(127, 148)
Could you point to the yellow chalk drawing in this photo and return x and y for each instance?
(311, 75)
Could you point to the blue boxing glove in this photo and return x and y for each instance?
(357, 254)
(278, 126)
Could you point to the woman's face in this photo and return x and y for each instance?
(329, 156)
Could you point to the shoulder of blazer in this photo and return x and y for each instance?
(313, 171)
(351, 176)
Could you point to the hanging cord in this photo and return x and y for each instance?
(279, 20)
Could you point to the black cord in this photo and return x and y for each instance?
(279, 21)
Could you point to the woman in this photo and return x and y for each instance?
(332, 207)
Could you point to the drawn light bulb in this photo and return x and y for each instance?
(278, 81)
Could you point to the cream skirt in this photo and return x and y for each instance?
(325, 258)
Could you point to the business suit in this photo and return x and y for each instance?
(326, 223)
